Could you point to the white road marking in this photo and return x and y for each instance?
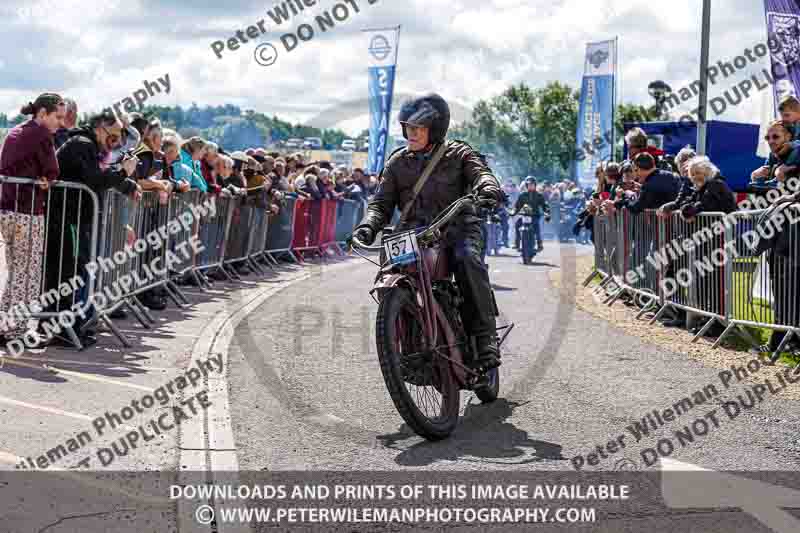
(53, 410)
(95, 363)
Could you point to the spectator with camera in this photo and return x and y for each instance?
(70, 226)
(658, 187)
(585, 219)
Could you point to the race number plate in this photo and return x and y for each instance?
(527, 220)
(401, 248)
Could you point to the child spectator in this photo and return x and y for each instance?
(789, 109)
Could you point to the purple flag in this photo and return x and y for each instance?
(783, 33)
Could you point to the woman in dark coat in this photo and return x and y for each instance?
(711, 195)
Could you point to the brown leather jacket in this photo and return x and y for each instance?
(459, 172)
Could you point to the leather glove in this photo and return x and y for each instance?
(486, 203)
(365, 235)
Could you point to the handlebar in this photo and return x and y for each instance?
(444, 217)
(367, 247)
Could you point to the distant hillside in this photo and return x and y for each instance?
(225, 125)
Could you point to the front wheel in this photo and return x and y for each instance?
(421, 384)
(527, 246)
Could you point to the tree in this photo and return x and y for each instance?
(530, 131)
(556, 117)
(240, 134)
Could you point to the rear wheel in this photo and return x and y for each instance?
(420, 383)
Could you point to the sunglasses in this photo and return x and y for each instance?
(114, 138)
(773, 137)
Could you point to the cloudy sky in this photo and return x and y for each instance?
(100, 51)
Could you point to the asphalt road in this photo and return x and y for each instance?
(306, 393)
(303, 394)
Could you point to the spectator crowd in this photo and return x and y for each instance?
(132, 154)
(690, 184)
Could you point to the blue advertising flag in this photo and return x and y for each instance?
(783, 32)
(594, 136)
(382, 47)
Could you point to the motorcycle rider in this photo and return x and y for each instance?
(538, 205)
(510, 189)
(425, 121)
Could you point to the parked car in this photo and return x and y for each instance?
(312, 143)
(294, 143)
(363, 146)
(349, 145)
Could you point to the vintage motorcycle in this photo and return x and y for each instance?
(528, 242)
(424, 352)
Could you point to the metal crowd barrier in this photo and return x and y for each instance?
(638, 237)
(48, 238)
(348, 214)
(326, 228)
(303, 236)
(605, 243)
(280, 233)
(257, 236)
(118, 280)
(706, 266)
(64, 248)
(236, 247)
(764, 286)
(214, 228)
(694, 271)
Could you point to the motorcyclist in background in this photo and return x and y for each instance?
(425, 121)
(539, 206)
(510, 189)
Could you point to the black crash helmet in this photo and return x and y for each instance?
(430, 111)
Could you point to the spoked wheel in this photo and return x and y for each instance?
(420, 383)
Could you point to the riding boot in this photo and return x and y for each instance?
(488, 352)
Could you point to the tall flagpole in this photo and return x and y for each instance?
(703, 109)
(614, 102)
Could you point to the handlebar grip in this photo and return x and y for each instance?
(370, 248)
